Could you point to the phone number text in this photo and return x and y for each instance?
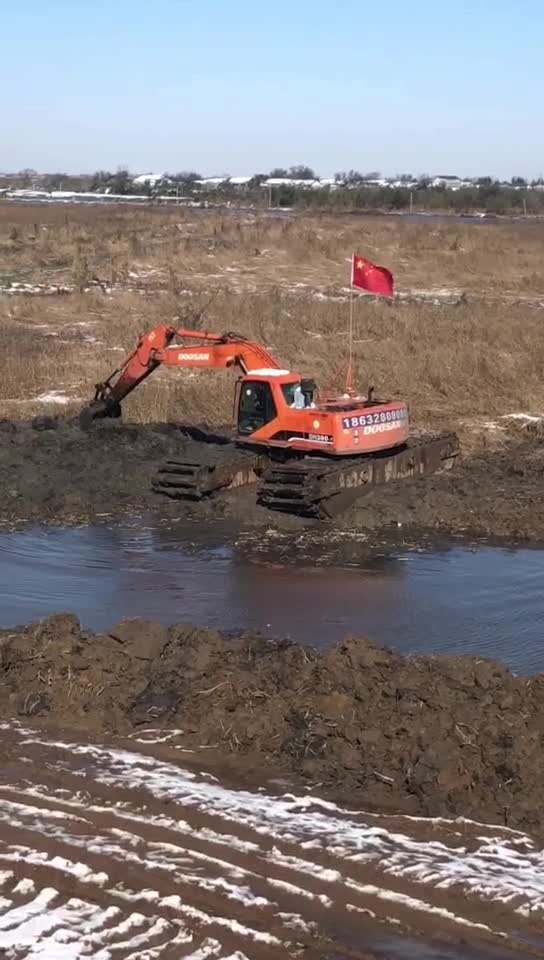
(371, 419)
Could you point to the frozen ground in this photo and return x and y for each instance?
(117, 851)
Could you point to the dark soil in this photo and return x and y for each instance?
(497, 493)
(52, 471)
(421, 735)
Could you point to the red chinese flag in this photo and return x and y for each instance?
(367, 276)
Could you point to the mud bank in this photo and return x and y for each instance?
(157, 858)
(495, 494)
(52, 471)
(431, 736)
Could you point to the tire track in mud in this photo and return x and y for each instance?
(116, 852)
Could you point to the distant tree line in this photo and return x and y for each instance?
(492, 199)
(347, 191)
(351, 191)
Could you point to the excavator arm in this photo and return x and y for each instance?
(164, 345)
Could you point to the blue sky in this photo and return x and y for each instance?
(238, 87)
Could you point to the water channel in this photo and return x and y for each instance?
(484, 601)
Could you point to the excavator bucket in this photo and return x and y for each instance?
(98, 410)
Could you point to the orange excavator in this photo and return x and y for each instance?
(308, 456)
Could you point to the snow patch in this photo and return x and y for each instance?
(25, 886)
(524, 417)
(54, 396)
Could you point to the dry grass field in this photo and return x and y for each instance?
(71, 245)
(281, 280)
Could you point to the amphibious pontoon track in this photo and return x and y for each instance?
(323, 488)
(318, 487)
(205, 468)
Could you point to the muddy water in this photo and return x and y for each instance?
(488, 602)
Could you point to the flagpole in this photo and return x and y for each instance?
(349, 383)
(349, 378)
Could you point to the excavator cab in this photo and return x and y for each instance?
(277, 409)
(261, 397)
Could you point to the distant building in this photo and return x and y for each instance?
(150, 179)
(212, 181)
(290, 182)
(403, 184)
(450, 182)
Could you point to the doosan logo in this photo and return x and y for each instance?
(381, 427)
(193, 356)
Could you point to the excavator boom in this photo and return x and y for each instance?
(164, 345)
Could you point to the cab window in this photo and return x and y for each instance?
(288, 390)
(295, 396)
(257, 407)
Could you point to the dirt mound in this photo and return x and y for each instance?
(52, 470)
(421, 735)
